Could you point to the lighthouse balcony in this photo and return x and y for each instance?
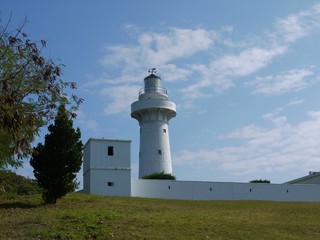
(157, 90)
(151, 109)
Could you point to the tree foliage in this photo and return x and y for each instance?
(57, 161)
(260, 181)
(161, 175)
(31, 90)
(12, 183)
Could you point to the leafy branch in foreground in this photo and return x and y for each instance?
(31, 89)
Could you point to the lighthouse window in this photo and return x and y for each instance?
(159, 152)
(110, 150)
(164, 130)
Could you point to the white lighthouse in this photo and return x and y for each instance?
(153, 111)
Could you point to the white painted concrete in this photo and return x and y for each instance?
(108, 173)
(153, 111)
(196, 190)
(106, 168)
(312, 178)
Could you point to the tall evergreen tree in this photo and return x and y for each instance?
(57, 161)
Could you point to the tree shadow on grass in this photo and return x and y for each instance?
(21, 205)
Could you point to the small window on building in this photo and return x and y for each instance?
(110, 184)
(159, 152)
(164, 130)
(169, 187)
(211, 189)
(110, 150)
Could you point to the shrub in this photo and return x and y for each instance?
(12, 183)
(260, 181)
(162, 175)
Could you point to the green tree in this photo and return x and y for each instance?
(31, 90)
(57, 161)
(260, 181)
(12, 183)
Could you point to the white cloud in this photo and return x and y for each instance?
(178, 43)
(157, 49)
(298, 25)
(171, 73)
(246, 62)
(292, 80)
(222, 72)
(277, 149)
(154, 50)
(189, 56)
(295, 102)
(120, 98)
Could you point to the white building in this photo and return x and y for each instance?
(153, 111)
(106, 167)
(107, 164)
(312, 178)
(107, 172)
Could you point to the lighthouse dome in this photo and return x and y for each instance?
(152, 81)
(152, 88)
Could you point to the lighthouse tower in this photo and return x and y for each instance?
(153, 111)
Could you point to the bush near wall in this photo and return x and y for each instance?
(260, 181)
(162, 175)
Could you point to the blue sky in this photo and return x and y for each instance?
(244, 75)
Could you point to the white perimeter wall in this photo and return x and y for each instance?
(190, 190)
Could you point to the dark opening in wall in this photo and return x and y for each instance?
(110, 150)
(169, 187)
(110, 184)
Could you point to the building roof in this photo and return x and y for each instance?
(152, 76)
(106, 140)
(302, 179)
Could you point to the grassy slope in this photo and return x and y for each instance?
(80, 216)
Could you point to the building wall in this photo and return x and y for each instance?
(191, 190)
(107, 167)
(110, 182)
(86, 167)
(107, 172)
(154, 154)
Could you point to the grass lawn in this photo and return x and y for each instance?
(80, 216)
